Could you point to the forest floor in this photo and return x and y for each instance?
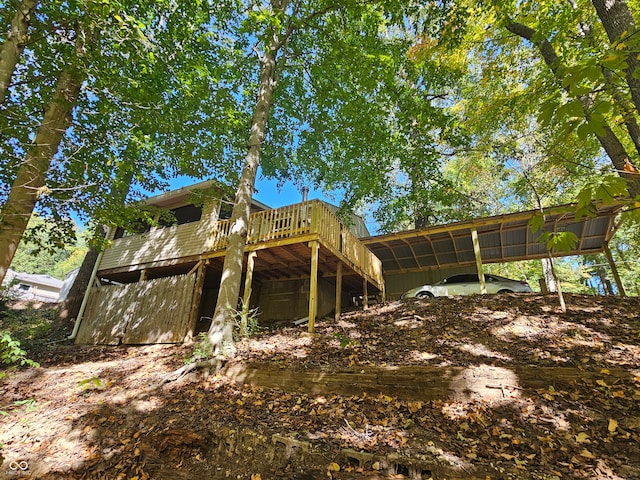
(485, 387)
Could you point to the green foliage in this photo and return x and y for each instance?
(201, 350)
(28, 404)
(89, 383)
(344, 340)
(40, 251)
(246, 322)
(11, 354)
(559, 241)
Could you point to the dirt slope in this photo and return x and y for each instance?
(470, 387)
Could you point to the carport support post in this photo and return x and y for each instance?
(614, 270)
(246, 298)
(338, 290)
(476, 250)
(365, 295)
(313, 285)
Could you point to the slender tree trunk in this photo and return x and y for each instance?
(628, 111)
(30, 180)
(14, 45)
(547, 272)
(220, 334)
(608, 140)
(71, 305)
(618, 21)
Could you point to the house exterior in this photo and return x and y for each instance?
(160, 285)
(27, 286)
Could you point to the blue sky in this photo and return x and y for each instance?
(267, 192)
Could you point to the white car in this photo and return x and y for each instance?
(468, 284)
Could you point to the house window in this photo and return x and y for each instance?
(225, 211)
(133, 229)
(182, 215)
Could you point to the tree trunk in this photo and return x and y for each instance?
(628, 111)
(547, 272)
(220, 333)
(14, 45)
(608, 140)
(618, 21)
(30, 179)
(71, 305)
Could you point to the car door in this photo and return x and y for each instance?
(460, 284)
(470, 285)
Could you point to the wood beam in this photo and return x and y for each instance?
(313, 285)
(365, 295)
(476, 250)
(244, 316)
(195, 300)
(338, 290)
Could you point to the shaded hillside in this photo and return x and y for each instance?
(468, 387)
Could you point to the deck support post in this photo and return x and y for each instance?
(195, 300)
(476, 250)
(313, 285)
(338, 290)
(246, 298)
(365, 294)
(614, 270)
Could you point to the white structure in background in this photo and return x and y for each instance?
(67, 284)
(27, 286)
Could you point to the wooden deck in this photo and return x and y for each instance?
(282, 236)
(302, 223)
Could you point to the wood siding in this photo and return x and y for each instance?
(153, 311)
(179, 241)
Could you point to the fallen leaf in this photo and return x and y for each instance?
(613, 424)
(587, 454)
(582, 437)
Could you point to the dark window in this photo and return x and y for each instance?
(463, 278)
(135, 228)
(225, 212)
(182, 215)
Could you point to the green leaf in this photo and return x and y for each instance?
(537, 221)
(570, 110)
(547, 111)
(559, 241)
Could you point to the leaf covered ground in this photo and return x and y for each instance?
(468, 387)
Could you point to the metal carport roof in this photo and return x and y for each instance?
(502, 238)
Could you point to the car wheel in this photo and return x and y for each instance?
(425, 295)
(505, 290)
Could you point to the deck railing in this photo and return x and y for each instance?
(311, 217)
